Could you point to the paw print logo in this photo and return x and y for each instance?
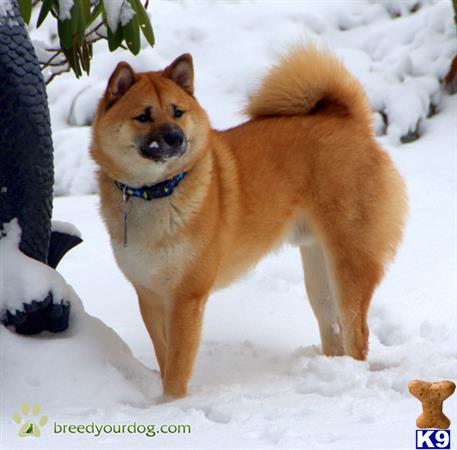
(30, 420)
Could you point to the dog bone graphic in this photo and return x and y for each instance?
(432, 396)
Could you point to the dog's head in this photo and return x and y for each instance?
(148, 126)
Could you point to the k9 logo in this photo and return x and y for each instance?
(433, 439)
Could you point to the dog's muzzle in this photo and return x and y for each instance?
(167, 142)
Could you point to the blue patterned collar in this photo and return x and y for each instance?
(163, 189)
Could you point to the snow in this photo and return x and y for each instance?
(260, 379)
(6, 10)
(398, 7)
(113, 13)
(65, 9)
(24, 279)
(127, 13)
(65, 227)
(118, 12)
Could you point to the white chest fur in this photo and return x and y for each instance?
(153, 258)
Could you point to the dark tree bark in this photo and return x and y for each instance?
(26, 170)
(26, 153)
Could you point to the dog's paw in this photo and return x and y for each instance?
(168, 397)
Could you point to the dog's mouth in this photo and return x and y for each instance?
(167, 143)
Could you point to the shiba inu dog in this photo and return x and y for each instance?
(189, 209)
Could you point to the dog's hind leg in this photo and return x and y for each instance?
(322, 299)
(355, 275)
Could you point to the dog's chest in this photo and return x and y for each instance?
(150, 259)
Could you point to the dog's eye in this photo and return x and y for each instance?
(177, 112)
(145, 117)
(142, 118)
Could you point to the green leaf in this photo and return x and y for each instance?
(132, 35)
(95, 13)
(73, 60)
(114, 39)
(25, 7)
(66, 28)
(88, 55)
(85, 4)
(65, 33)
(144, 21)
(72, 28)
(84, 56)
(80, 19)
(78, 70)
(47, 5)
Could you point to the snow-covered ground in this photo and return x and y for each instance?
(260, 379)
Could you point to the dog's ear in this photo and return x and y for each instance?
(181, 71)
(121, 80)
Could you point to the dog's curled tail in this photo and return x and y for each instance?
(306, 79)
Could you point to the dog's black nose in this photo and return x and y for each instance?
(174, 138)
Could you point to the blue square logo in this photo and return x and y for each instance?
(426, 439)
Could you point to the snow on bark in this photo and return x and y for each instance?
(7, 13)
(65, 227)
(24, 279)
(5, 8)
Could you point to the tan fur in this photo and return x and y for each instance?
(304, 78)
(305, 168)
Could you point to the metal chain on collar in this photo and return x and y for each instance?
(125, 209)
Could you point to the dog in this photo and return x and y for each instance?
(189, 208)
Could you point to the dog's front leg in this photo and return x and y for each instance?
(184, 331)
(153, 311)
